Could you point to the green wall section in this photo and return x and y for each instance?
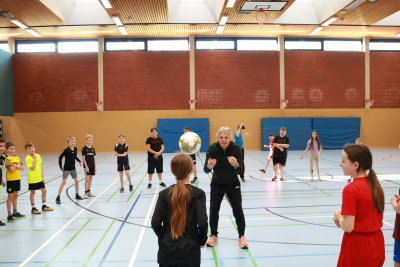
(6, 84)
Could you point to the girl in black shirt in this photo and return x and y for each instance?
(180, 218)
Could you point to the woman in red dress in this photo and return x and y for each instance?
(362, 211)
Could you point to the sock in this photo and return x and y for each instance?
(130, 183)
(58, 196)
(33, 205)
(160, 181)
(14, 211)
(44, 203)
(76, 194)
(195, 177)
(9, 213)
(86, 191)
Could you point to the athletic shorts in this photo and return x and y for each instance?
(123, 166)
(396, 252)
(154, 163)
(279, 158)
(68, 173)
(193, 156)
(91, 171)
(36, 186)
(13, 186)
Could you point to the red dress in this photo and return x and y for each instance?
(364, 246)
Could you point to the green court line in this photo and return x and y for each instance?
(117, 190)
(69, 242)
(136, 187)
(247, 250)
(98, 243)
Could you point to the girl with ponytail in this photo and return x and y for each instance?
(362, 211)
(180, 219)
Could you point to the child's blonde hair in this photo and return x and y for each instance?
(88, 136)
(70, 138)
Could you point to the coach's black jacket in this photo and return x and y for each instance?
(184, 251)
(223, 171)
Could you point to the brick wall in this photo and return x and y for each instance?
(385, 79)
(237, 79)
(319, 79)
(55, 82)
(146, 80)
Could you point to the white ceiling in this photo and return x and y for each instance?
(392, 20)
(194, 11)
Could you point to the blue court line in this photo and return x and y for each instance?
(204, 259)
(119, 231)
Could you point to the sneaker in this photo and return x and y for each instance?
(212, 240)
(78, 197)
(319, 179)
(162, 184)
(194, 180)
(90, 194)
(130, 187)
(273, 179)
(281, 178)
(35, 211)
(121, 190)
(263, 170)
(10, 219)
(243, 243)
(86, 195)
(58, 200)
(149, 186)
(18, 215)
(2, 224)
(46, 208)
(312, 179)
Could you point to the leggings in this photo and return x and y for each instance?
(314, 157)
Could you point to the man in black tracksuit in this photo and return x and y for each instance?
(224, 158)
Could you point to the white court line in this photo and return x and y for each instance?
(65, 226)
(278, 218)
(385, 222)
(139, 240)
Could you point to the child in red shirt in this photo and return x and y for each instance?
(362, 211)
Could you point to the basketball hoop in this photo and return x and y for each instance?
(369, 102)
(99, 105)
(261, 16)
(192, 101)
(284, 103)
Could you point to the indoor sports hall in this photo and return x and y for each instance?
(112, 68)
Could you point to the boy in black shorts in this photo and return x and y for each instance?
(155, 148)
(89, 163)
(193, 156)
(35, 178)
(13, 175)
(281, 143)
(121, 151)
(3, 157)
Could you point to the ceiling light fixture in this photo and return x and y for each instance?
(230, 3)
(106, 3)
(398, 35)
(220, 29)
(329, 21)
(316, 30)
(33, 32)
(117, 21)
(223, 20)
(122, 30)
(19, 23)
